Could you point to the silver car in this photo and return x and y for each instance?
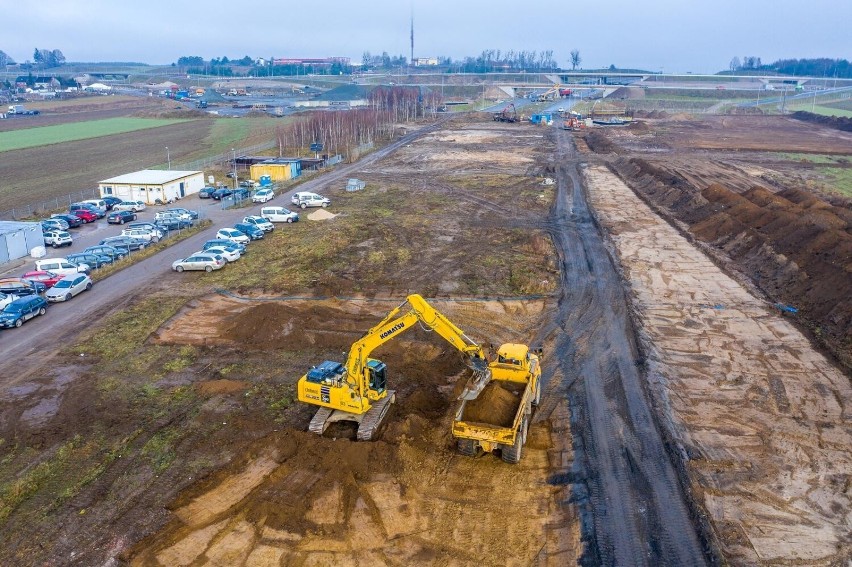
(206, 261)
(68, 287)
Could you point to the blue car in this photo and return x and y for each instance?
(250, 230)
(21, 310)
(223, 242)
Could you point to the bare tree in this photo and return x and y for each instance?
(735, 64)
(575, 59)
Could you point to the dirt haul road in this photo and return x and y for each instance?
(638, 509)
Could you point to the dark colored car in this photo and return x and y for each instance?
(221, 193)
(73, 220)
(85, 214)
(19, 287)
(90, 259)
(241, 194)
(223, 242)
(111, 201)
(253, 232)
(173, 224)
(47, 278)
(126, 241)
(21, 310)
(121, 217)
(114, 252)
(206, 192)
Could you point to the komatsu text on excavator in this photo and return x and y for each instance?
(357, 391)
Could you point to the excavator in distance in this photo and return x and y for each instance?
(357, 390)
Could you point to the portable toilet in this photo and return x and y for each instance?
(265, 180)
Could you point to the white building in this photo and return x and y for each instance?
(18, 239)
(152, 185)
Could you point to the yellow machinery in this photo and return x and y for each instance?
(357, 391)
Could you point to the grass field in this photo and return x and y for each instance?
(46, 135)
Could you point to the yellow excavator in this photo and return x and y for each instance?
(357, 391)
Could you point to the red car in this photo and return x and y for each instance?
(47, 278)
(87, 216)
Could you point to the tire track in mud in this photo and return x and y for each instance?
(633, 510)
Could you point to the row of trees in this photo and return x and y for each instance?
(383, 61)
(48, 58)
(492, 60)
(839, 68)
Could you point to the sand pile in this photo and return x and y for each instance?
(495, 405)
(321, 214)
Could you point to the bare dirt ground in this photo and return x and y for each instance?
(167, 433)
(758, 416)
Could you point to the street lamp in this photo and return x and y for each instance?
(168, 157)
(234, 152)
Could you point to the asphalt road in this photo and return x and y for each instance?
(40, 338)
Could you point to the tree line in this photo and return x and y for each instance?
(815, 67)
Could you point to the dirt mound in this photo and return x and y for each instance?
(638, 127)
(599, 142)
(495, 405)
(213, 387)
(321, 214)
(837, 122)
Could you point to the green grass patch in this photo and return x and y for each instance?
(160, 449)
(840, 179)
(46, 135)
(818, 109)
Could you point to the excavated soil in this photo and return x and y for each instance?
(759, 219)
(497, 404)
(758, 418)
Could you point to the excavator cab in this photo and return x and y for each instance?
(377, 371)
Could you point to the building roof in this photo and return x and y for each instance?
(151, 177)
(9, 227)
(280, 161)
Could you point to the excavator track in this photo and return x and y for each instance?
(372, 420)
(320, 421)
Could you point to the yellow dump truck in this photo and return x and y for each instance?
(498, 418)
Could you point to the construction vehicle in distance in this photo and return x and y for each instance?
(508, 114)
(357, 391)
(499, 417)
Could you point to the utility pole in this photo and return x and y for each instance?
(411, 61)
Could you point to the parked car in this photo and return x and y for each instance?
(135, 206)
(121, 217)
(228, 244)
(97, 211)
(221, 193)
(61, 266)
(19, 287)
(6, 299)
(247, 183)
(240, 194)
(99, 203)
(250, 230)
(206, 192)
(173, 223)
(230, 175)
(73, 220)
(303, 199)
(93, 260)
(149, 236)
(111, 201)
(184, 213)
(21, 310)
(229, 253)
(53, 224)
(259, 222)
(206, 261)
(166, 215)
(114, 252)
(232, 234)
(278, 214)
(57, 238)
(263, 195)
(49, 279)
(85, 215)
(125, 241)
(67, 288)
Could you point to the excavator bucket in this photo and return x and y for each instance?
(477, 382)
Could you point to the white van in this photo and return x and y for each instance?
(278, 214)
(60, 266)
(305, 199)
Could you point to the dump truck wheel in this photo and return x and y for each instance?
(468, 447)
(512, 453)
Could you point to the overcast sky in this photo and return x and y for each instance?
(668, 35)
